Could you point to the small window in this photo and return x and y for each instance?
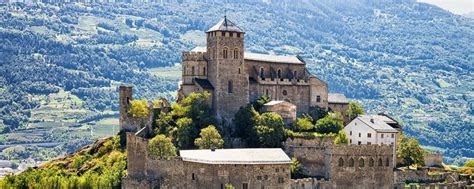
(350, 133)
(371, 162)
(350, 141)
(281, 180)
(222, 185)
(204, 71)
(387, 162)
(266, 92)
(380, 162)
(262, 73)
(279, 74)
(359, 143)
(341, 162)
(236, 53)
(318, 98)
(192, 70)
(238, 35)
(369, 143)
(224, 53)
(239, 70)
(295, 74)
(229, 87)
(259, 177)
(261, 167)
(351, 162)
(193, 177)
(360, 134)
(382, 135)
(285, 93)
(393, 135)
(369, 135)
(277, 170)
(361, 162)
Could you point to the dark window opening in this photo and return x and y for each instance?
(361, 162)
(239, 70)
(224, 53)
(236, 53)
(229, 87)
(285, 92)
(279, 74)
(193, 177)
(371, 162)
(192, 70)
(387, 162)
(341, 162)
(295, 74)
(245, 185)
(318, 98)
(204, 71)
(262, 73)
(351, 162)
(380, 162)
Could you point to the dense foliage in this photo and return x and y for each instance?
(331, 123)
(341, 138)
(409, 151)
(138, 108)
(354, 110)
(209, 138)
(100, 165)
(161, 147)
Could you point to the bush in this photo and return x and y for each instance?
(161, 147)
(332, 123)
(138, 108)
(210, 138)
(304, 123)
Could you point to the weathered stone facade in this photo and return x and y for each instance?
(286, 110)
(235, 78)
(433, 159)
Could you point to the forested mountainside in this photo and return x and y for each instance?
(414, 59)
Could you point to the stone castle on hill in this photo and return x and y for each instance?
(235, 78)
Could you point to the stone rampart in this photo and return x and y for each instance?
(433, 159)
(310, 183)
(310, 153)
(453, 185)
(424, 176)
(193, 56)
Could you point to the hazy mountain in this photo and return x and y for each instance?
(469, 15)
(414, 59)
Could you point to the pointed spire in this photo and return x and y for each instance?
(225, 25)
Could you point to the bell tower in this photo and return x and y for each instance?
(225, 49)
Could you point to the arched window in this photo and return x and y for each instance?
(351, 162)
(266, 92)
(239, 70)
(279, 74)
(380, 162)
(371, 162)
(341, 162)
(295, 73)
(225, 53)
(387, 162)
(229, 87)
(262, 73)
(361, 162)
(236, 53)
(192, 70)
(204, 71)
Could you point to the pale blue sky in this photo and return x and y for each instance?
(455, 6)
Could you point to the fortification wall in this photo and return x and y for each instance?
(127, 122)
(422, 175)
(433, 160)
(432, 185)
(310, 153)
(360, 166)
(310, 183)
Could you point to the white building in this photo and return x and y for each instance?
(371, 129)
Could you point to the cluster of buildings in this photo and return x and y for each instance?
(235, 78)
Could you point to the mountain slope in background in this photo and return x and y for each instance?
(413, 59)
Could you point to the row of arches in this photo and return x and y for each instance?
(279, 73)
(361, 162)
(194, 70)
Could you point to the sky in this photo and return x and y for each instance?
(455, 6)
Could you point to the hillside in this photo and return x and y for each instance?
(61, 64)
(99, 165)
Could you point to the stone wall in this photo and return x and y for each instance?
(127, 122)
(453, 185)
(433, 160)
(310, 153)
(422, 175)
(360, 166)
(310, 183)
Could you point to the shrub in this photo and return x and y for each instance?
(138, 108)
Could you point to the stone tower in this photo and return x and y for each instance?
(125, 96)
(227, 73)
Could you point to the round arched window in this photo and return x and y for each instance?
(285, 92)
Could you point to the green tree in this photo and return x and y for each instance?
(469, 163)
(258, 104)
(354, 110)
(295, 168)
(184, 133)
(163, 124)
(304, 123)
(270, 130)
(161, 146)
(409, 151)
(341, 138)
(332, 123)
(317, 113)
(210, 138)
(245, 120)
(138, 108)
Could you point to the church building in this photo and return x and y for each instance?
(235, 78)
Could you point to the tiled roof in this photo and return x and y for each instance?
(377, 123)
(337, 98)
(204, 83)
(236, 156)
(262, 57)
(225, 25)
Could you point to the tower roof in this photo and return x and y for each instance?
(225, 25)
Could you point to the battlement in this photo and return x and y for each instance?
(194, 56)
